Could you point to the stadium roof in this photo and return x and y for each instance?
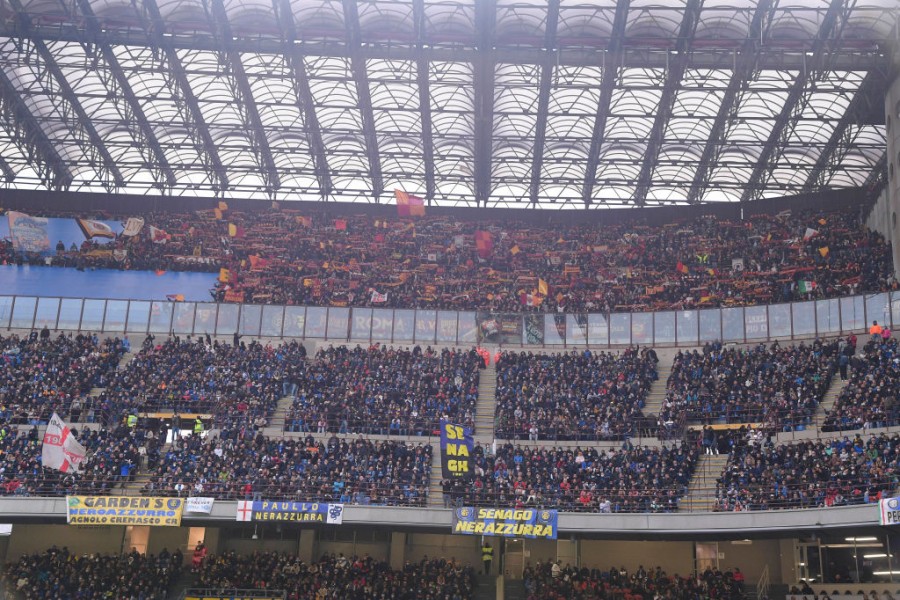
(464, 102)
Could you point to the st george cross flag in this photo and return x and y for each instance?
(60, 450)
(245, 510)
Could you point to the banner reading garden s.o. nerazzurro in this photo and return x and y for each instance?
(306, 512)
(124, 510)
(529, 523)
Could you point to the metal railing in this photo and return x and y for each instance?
(791, 320)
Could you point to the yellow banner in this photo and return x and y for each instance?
(124, 510)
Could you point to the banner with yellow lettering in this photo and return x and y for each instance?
(124, 510)
(456, 450)
(531, 523)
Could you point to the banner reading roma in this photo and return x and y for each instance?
(307, 512)
(456, 450)
(506, 522)
(124, 510)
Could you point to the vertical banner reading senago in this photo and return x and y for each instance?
(456, 451)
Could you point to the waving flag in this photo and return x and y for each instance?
(158, 236)
(60, 450)
(92, 229)
(484, 243)
(408, 205)
(133, 226)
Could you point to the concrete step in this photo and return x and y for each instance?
(830, 398)
(701, 495)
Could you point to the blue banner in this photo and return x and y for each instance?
(456, 450)
(305, 512)
(531, 523)
(37, 234)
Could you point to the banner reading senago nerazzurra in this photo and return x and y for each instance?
(307, 512)
(529, 523)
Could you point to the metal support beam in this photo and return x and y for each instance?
(540, 132)
(123, 87)
(9, 175)
(195, 122)
(745, 64)
(300, 82)
(240, 86)
(84, 132)
(485, 16)
(877, 179)
(609, 76)
(31, 138)
(423, 81)
(674, 75)
(360, 76)
(869, 97)
(798, 98)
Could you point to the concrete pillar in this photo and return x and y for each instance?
(398, 550)
(892, 119)
(307, 548)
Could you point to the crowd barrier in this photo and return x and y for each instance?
(423, 326)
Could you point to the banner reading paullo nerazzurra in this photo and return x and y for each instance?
(532, 523)
(307, 512)
(456, 450)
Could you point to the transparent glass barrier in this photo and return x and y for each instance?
(878, 308)
(642, 328)
(895, 310)
(499, 328)
(598, 330)
(710, 325)
(161, 317)
(465, 328)
(554, 330)
(534, 329)
(92, 316)
(116, 315)
(138, 316)
(426, 326)
(446, 326)
(251, 315)
(663, 327)
(756, 323)
(361, 327)
(853, 315)
(577, 330)
(227, 321)
(272, 321)
(6, 303)
(733, 324)
(183, 318)
(294, 321)
(69, 314)
(620, 329)
(780, 321)
(338, 323)
(687, 326)
(404, 325)
(205, 318)
(47, 309)
(315, 322)
(382, 324)
(803, 315)
(23, 313)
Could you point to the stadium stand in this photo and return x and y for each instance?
(870, 398)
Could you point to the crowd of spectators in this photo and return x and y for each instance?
(114, 455)
(774, 386)
(578, 395)
(384, 390)
(338, 576)
(40, 375)
(58, 574)
(631, 479)
(808, 474)
(243, 464)
(317, 258)
(870, 398)
(552, 581)
(238, 383)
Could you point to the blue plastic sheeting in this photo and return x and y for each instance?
(104, 283)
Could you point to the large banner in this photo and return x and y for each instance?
(199, 504)
(531, 523)
(60, 450)
(306, 512)
(124, 510)
(456, 451)
(889, 510)
(28, 234)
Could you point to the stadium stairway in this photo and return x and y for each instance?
(185, 581)
(486, 409)
(701, 496)
(830, 398)
(435, 491)
(486, 588)
(657, 392)
(275, 428)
